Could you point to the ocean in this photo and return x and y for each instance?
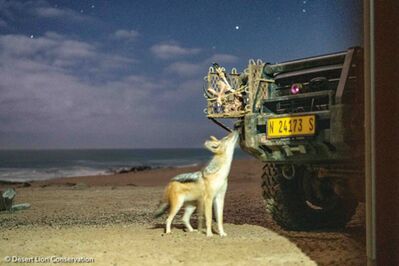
(28, 165)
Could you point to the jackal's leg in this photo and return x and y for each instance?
(175, 206)
(186, 217)
(200, 215)
(208, 216)
(219, 204)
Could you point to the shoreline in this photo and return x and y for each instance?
(27, 166)
(99, 172)
(153, 175)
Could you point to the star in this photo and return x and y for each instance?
(93, 6)
(81, 11)
(237, 27)
(303, 10)
(31, 36)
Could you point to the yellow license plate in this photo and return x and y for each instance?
(291, 126)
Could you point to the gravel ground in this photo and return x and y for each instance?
(111, 221)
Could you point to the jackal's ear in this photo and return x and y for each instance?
(211, 145)
(214, 138)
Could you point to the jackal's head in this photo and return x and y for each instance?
(220, 146)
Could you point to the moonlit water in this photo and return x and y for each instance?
(27, 165)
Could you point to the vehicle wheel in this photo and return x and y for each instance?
(303, 201)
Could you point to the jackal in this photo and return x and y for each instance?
(202, 189)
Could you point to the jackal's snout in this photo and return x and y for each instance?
(219, 146)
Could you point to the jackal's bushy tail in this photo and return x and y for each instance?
(161, 209)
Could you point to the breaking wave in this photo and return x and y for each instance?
(30, 174)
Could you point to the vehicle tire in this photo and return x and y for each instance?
(298, 204)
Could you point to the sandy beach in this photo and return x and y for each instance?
(109, 219)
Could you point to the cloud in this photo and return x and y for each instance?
(3, 23)
(8, 8)
(183, 92)
(51, 49)
(184, 69)
(13, 10)
(128, 35)
(59, 13)
(222, 59)
(172, 50)
(55, 91)
(48, 87)
(187, 69)
(59, 91)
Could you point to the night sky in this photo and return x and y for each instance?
(129, 74)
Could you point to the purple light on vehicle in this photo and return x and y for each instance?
(296, 88)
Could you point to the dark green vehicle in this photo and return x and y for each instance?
(304, 119)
